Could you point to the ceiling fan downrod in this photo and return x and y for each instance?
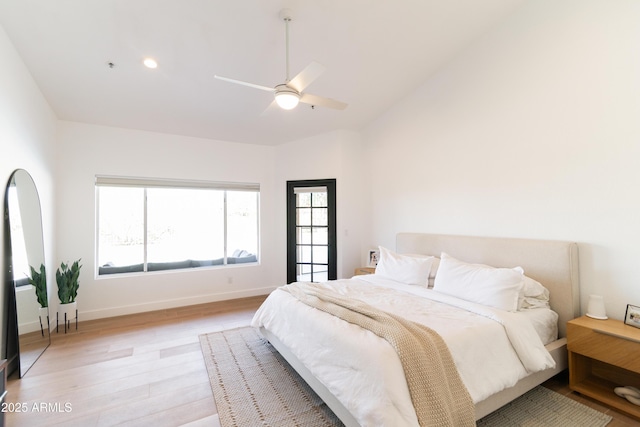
(285, 15)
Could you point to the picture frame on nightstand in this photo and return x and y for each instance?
(373, 258)
(632, 316)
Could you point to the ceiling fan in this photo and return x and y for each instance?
(290, 93)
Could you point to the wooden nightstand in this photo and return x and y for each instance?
(364, 270)
(603, 354)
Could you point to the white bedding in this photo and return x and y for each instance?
(491, 348)
(545, 323)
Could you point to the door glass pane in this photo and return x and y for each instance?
(319, 199)
(320, 235)
(304, 273)
(320, 273)
(320, 254)
(121, 226)
(304, 254)
(304, 268)
(303, 200)
(319, 216)
(304, 235)
(304, 216)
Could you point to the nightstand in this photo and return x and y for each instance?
(603, 354)
(364, 270)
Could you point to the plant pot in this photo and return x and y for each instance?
(67, 313)
(69, 309)
(43, 312)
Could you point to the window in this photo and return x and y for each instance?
(150, 224)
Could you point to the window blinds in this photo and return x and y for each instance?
(117, 181)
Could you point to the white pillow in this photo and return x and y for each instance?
(413, 270)
(479, 283)
(434, 264)
(533, 295)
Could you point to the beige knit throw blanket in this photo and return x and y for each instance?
(438, 394)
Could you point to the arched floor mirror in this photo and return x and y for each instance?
(28, 318)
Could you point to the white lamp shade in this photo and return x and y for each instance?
(287, 100)
(596, 309)
(150, 63)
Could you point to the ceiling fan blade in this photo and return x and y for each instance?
(270, 108)
(240, 82)
(305, 77)
(322, 102)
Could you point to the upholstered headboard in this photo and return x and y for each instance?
(552, 263)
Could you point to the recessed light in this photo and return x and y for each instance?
(150, 63)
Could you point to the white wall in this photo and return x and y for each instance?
(85, 151)
(332, 155)
(531, 132)
(27, 141)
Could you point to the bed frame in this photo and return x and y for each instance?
(552, 263)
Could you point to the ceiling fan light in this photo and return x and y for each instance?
(150, 63)
(287, 98)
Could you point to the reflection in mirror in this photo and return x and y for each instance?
(28, 271)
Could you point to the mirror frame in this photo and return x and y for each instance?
(24, 312)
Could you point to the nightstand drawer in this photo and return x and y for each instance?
(364, 270)
(604, 345)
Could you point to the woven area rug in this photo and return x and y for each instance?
(254, 386)
(543, 407)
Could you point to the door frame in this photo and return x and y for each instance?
(332, 267)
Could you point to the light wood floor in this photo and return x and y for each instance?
(139, 370)
(146, 369)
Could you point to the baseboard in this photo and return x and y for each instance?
(172, 303)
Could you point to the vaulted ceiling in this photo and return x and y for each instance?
(375, 53)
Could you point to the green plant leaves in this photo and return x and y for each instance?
(67, 280)
(39, 281)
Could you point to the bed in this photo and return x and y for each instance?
(331, 370)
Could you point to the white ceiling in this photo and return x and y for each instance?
(375, 52)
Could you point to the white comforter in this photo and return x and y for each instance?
(491, 348)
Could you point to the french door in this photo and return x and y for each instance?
(311, 231)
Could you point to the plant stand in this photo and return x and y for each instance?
(44, 312)
(67, 322)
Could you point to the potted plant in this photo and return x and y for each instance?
(39, 281)
(67, 280)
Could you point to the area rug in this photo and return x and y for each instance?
(543, 407)
(254, 386)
